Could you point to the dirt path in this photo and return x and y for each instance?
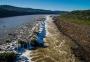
(59, 46)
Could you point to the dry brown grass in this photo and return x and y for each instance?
(78, 33)
(59, 49)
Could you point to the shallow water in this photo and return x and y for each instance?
(9, 24)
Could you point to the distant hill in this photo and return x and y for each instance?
(7, 10)
(78, 17)
(80, 14)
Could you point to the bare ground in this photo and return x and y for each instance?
(59, 47)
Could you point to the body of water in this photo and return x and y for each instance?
(9, 24)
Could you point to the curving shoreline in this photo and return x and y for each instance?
(24, 33)
(20, 33)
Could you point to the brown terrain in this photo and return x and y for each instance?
(59, 47)
(80, 34)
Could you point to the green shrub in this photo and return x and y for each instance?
(8, 41)
(22, 43)
(7, 57)
(33, 42)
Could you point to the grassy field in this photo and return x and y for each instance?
(78, 17)
(58, 50)
(76, 25)
(75, 20)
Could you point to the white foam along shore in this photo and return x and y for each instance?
(14, 44)
(41, 27)
(27, 55)
(10, 47)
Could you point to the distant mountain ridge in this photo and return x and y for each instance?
(7, 10)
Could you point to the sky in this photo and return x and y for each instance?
(63, 5)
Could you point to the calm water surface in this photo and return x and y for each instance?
(12, 22)
(9, 24)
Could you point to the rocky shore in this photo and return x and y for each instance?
(24, 39)
(20, 33)
(23, 33)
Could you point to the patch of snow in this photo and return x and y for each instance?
(26, 54)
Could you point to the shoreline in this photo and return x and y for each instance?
(13, 31)
(13, 44)
(25, 33)
(19, 28)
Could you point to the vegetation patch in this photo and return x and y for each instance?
(7, 57)
(78, 17)
(22, 43)
(76, 25)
